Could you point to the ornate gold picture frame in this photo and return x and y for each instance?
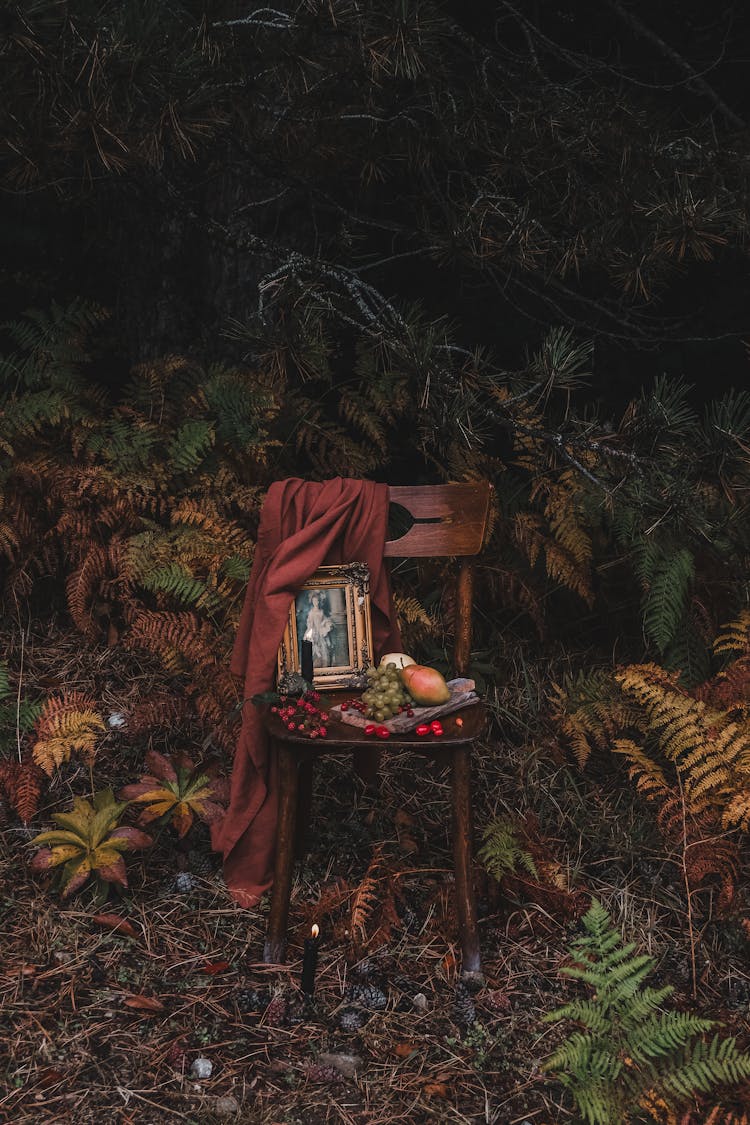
(332, 613)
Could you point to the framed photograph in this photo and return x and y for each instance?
(332, 613)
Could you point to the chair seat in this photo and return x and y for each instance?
(342, 737)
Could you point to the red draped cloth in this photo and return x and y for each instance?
(303, 525)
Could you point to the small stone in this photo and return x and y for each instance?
(420, 1002)
(202, 1068)
(226, 1106)
(348, 1065)
(115, 720)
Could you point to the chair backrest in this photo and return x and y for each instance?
(449, 519)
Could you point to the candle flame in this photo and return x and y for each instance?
(315, 929)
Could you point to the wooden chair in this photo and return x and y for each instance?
(450, 520)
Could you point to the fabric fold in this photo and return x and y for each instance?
(303, 525)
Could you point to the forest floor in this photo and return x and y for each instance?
(105, 1024)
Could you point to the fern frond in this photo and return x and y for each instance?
(648, 776)
(665, 600)
(81, 587)
(734, 637)
(501, 851)
(190, 445)
(632, 1054)
(365, 898)
(67, 723)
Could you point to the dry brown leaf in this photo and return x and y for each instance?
(402, 819)
(50, 1076)
(408, 845)
(144, 1003)
(115, 922)
(405, 1050)
(435, 1090)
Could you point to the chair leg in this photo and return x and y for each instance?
(304, 805)
(471, 969)
(275, 945)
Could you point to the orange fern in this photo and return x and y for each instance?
(68, 723)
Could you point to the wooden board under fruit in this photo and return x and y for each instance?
(462, 694)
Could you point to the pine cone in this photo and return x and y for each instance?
(323, 1074)
(368, 995)
(738, 994)
(676, 968)
(250, 999)
(408, 986)
(184, 883)
(351, 1019)
(200, 864)
(464, 1011)
(409, 920)
(276, 1012)
(497, 1000)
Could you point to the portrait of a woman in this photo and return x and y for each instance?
(319, 630)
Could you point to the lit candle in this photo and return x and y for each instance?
(307, 662)
(310, 960)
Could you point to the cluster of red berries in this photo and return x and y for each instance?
(354, 705)
(435, 727)
(378, 730)
(423, 729)
(303, 716)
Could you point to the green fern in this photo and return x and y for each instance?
(237, 568)
(190, 445)
(501, 851)
(177, 581)
(51, 345)
(631, 1047)
(241, 406)
(5, 688)
(667, 578)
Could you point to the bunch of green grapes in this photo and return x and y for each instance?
(385, 695)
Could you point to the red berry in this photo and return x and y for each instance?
(290, 726)
(422, 730)
(323, 731)
(344, 706)
(382, 732)
(410, 713)
(436, 725)
(370, 728)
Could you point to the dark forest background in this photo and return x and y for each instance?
(502, 167)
